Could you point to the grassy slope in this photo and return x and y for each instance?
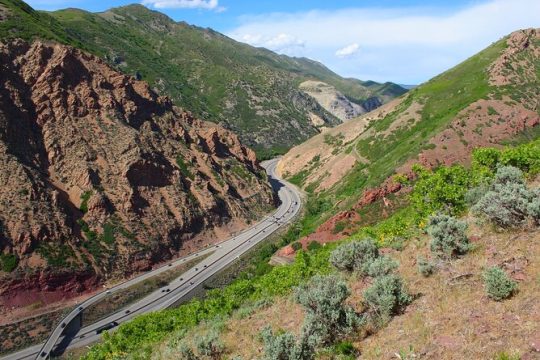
(216, 77)
(442, 97)
(25, 23)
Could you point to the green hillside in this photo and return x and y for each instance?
(253, 91)
(449, 115)
(19, 20)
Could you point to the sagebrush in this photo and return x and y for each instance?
(498, 284)
(448, 236)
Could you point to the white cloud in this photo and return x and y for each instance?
(406, 45)
(184, 4)
(348, 50)
(282, 43)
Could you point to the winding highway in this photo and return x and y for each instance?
(221, 256)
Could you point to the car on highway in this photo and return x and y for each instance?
(108, 326)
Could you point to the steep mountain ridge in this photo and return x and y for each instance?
(251, 91)
(101, 177)
(484, 101)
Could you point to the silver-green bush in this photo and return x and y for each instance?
(472, 196)
(285, 346)
(425, 267)
(448, 238)
(185, 353)
(498, 285)
(505, 205)
(508, 175)
(327, 315)
(210, 345)
(355, 255)
(383, 265)
(533, 208)
(386, 297)
(508, 202)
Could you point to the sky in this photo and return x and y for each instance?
(407, 41)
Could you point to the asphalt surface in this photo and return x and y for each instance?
(221, 255)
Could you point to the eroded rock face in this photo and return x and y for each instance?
(335, 102)
(101, 175)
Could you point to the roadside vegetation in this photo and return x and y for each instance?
(438, 199)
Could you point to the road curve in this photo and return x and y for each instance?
(220, 257)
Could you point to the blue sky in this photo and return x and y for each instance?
(403, 41)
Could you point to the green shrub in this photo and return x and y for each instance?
(383, 265)
(448, 236)
(339, 227)
(386, 297)
(327, 315)
(210, 345)
(441, 190)
(507, 356)
(525, 157)
(486, 157)
(344, 348)
(355, 255)
(314, 245)
(296, 246)
(8, 262)
(85, 196)
(425, 267)
(109, 231)
(498, 285)
(184, 168)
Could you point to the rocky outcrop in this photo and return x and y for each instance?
(335, 102)
(102, 176)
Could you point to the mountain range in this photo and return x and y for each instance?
(127, 139)
(77, 80)
(488, 100)
(252, 91)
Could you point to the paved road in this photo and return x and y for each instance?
(220, 257)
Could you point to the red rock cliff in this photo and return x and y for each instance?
(100, 176)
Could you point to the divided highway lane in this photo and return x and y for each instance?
(222, 255)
